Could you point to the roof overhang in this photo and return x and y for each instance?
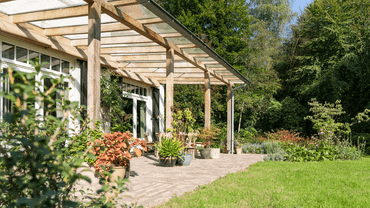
(135, 36)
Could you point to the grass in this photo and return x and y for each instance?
(286, 184)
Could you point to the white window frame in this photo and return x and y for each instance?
(28, 68)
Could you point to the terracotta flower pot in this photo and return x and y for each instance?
(118, 171)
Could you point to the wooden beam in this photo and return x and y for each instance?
(207, 100)
(188, 79)
(93, 64)
(144, 58)
(107, 27)
(153, 65)
(137, 77)
(122, 17)
(114, 40)
(200, 82)
(229, 119)
(25, 34)
(62, 13)
(123, 39)
(163, 70)
(130, 50)
(169, 86)
(140, 49)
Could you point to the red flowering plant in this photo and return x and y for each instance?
(114, 149)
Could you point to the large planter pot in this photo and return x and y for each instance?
(185, 161)
(167, 161)
(205, 153)
(239, 150)
(119, 171)
(215, 153)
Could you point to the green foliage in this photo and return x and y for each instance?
(323, 118)
(35, 171)
(209, 135)
(80, 142)
(169, 147)
(113, 100)
(183, 121)
(362, 138)
(326, 58)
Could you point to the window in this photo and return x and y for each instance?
(55, 64)
(45, 58)
(65, 67)
(21, 55)
(33, 55)
(8, 51)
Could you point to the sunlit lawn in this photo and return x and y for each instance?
(286, 184)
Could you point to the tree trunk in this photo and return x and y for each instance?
(240, 117)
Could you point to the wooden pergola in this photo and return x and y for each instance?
(135, 38)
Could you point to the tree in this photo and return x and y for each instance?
(224, 26)
(327, 56)
(269, 19)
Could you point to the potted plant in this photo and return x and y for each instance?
(113, 152)
(209, 135)
(169, 151)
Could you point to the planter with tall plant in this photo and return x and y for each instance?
(169, 151)
(208, 135)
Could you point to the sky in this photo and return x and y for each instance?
(299, 5)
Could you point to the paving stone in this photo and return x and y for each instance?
(153, 185)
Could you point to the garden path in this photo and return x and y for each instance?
(151, 184)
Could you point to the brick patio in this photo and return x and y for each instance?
(151, 184)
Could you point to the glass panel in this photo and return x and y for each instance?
(145, 92)
(141, 119)
(65, 67)
(141, 91)
(8, 51)
(124, 87)
(55, 64)
(72, 21)
(33, 55)
(45, 61)
(137, 90)
(21, 54)
(128, 88)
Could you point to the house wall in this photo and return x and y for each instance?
(75, 84)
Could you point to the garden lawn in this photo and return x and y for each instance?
(286, 184)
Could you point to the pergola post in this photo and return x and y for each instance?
(170, 65)
(207, 101)
(229, 118)
(93, 66)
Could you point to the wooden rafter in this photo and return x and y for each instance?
(107, 27)
(123, 39)
(62, 13)
(125, 19)
(141, 49)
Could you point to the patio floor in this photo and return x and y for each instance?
(151, 184)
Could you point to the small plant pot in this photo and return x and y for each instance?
(239, 150)
(167, 161)
(185, 161)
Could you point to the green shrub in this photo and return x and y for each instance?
(358, 139)
(35, 171)
(274, 150)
